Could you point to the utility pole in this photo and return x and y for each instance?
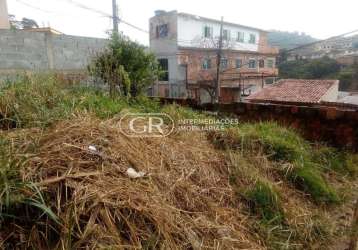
(219, 55)
(115, 16)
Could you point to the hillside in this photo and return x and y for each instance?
(288, 40)
(248, 186)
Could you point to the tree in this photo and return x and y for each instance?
(310, 69)
(207, 81)
(29, 23)
(349, 78)
(125, 65)
(25, 23)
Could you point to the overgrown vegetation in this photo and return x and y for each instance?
(284, 146)
(39, 101)
(323, 68)
(125, 66)
(265, 154)
(266, 188)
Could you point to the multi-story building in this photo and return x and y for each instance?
(187, 49)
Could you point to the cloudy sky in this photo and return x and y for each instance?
(318, 18)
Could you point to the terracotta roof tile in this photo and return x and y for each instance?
(294, 90)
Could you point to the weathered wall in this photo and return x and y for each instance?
(337, 126)
(35, 51)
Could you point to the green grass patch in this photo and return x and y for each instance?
(331, 159)
(283, 145)
(265, 202)
(310, 180)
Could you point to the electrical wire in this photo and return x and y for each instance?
(189, 42)
(104, 14)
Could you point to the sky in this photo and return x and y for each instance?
(318, 18)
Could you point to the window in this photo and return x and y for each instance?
(162, 30)
(240, 37)
(208, 32)
(269, 80)
(262, 63)
(226, 35)
(224, 63)
(270, 63)
(252, 64)
(164, 66)
(252, 39)
(206, 64)
(238, 63)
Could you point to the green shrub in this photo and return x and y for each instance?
(126, 65)
(264, 201)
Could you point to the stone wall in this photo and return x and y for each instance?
(39, 51)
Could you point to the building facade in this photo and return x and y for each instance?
(187, 50)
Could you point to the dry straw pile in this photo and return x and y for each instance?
(185, 200)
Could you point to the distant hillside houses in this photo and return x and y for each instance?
(343, 49)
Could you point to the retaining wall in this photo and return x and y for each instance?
(338, 126)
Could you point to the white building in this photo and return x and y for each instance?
(186, 47)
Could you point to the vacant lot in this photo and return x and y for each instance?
(250, 186)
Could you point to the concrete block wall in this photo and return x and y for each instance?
(22, 50)
(37, 51)
(74, 53)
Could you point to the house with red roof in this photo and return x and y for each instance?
(298, 91)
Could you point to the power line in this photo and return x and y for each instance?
(102, 13)
(22, 2)
(37, 8)
(85, 7)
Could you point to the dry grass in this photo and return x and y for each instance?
(185, 202)
(194, 196)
